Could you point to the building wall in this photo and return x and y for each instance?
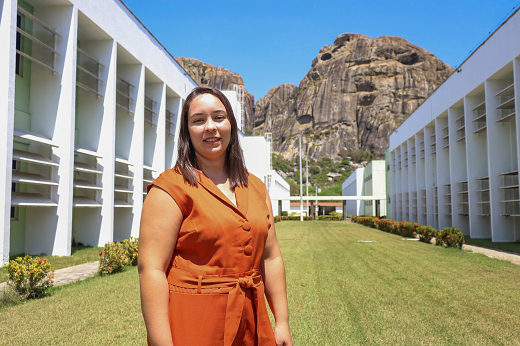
(455, 159)
(257, 150)
(374, 184)
(81, 158)
(388, 178)
(353, 186)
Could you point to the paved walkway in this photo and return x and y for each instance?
(75, 273)
(83, 271)
(494, 253)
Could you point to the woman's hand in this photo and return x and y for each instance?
(273, 271)
(282, 336)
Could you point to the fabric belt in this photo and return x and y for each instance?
(237, 283)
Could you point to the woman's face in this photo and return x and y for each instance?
(209, 127)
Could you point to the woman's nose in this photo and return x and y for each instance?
(210, 125)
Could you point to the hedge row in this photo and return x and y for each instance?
(448, 237)
(309, 218)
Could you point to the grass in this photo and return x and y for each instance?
(80, 255)
(341, 292)
(96, 311)
(511, 247)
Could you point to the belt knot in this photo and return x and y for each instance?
(246, 281)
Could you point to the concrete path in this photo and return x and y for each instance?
(494, 253)
(75, 273)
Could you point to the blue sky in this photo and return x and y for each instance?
(274, 42)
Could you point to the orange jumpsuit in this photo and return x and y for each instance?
(216, 289)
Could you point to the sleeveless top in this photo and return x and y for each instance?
(214, 278)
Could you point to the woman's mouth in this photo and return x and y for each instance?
(212, 140)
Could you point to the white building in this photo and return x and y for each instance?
(257, 155)
(454, 162)
(353, 186)
(367, 181)
(90, 101)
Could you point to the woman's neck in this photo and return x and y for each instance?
(214, 169)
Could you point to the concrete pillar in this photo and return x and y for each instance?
(7, 81)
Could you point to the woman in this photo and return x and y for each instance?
(207, 244)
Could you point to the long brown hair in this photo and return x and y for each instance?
(187, 163)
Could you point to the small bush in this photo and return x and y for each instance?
(113, 259)
(388, 225)
(30, 276)
(408, 229)
(450, 237)
(131, 247)
(426, 233)
(285, 213)
(277, 218)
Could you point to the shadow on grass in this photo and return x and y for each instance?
(510, 247)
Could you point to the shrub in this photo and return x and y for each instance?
(329, 218)
(30, 276)
(113, 259)
(285, 213)
(450, 237)
(408, 229)
(387, 225)
(426, 233)
(277, 218)
(131, 247)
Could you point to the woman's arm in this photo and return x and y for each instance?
(273, 271)
(160, 222)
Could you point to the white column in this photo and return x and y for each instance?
(177, 109)
(107, 141)
(7, 82)
(431, 177)
(420, 178)
(516, 80)
(443, 168)
(160, 145)
(412, 184)
(136, 154)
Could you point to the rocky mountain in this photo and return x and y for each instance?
(216, 77)
(356, 93)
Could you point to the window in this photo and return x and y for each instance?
(20, 21)
(14, 188)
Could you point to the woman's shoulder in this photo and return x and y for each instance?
(171, 178)
(256, 183)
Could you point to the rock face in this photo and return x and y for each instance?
(357, 91)
(217, 77)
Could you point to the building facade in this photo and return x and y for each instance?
(366, 181)
(454, 161)
(353, 186)
(90, 112)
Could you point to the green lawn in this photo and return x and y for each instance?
(80, 255)
(341, 292)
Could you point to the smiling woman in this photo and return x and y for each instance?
(209, 128)
(207, 242)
